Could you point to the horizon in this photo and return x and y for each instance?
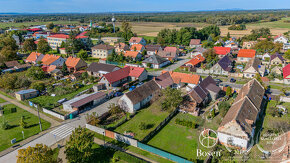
(137, 6)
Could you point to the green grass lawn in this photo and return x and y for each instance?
(50, 101)
(275, 24)
(27, 24)
(180, 140)
(152, 116)
(15, 131)
(2, 100)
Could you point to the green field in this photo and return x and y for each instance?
(15, 130)
(27, 24)
(275, 24)
(2, 100)
(152, 116)
(50, 101)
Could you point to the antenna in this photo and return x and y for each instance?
(113, 21)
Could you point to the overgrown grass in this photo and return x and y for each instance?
(15, 130)
(2, 100)
(151, 116)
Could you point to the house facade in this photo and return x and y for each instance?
(194, 43)
(26, 94)
(102, 51)
(139, 97)
(245, 55)
(55, 40)
(286, 74)
(280, 39)
(277, 59)
(223, 67)
(254, 67)
(152, 49)
(74, 64)
(155, 61)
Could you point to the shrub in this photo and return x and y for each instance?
(5, 125)
(13, 110)
(186, 123)
(142, 126)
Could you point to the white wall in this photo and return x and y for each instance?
(237, 141)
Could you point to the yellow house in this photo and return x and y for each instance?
(112, 40)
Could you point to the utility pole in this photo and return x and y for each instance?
(39, 119)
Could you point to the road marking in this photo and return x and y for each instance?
(63, 131)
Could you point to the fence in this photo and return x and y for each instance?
(160, 125)
(135, 143)
(162, 153)
(54, 114)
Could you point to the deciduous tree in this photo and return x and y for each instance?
(38, 154)
(29, 45)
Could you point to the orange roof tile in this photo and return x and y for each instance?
(72, 61)
(51, 68)
(59, 36)
(183, 77)
(132, 54)
(49, 59)
(196, 60)
(137, 46)
(247, 53)
(32, 57)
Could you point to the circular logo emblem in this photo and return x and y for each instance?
(208, 138)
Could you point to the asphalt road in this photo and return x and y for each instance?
(60, 132)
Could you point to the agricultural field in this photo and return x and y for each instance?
(151, 29)
(15, 130)
(28, 24)
(151, 116)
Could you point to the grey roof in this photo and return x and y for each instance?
(96, 67)
(142, 92)
(198, 94)
(164, 80)
(210, 85)
(84, 99)
(225, 63)
(165, 54)
(155, 59)
(26, 91)
(254, 62)
(152, 47)
(103, 47)
(277, 55)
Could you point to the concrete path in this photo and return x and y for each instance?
(61, 132)
(4, 103)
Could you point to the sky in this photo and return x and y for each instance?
(95, 6)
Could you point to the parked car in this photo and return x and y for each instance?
(233, 80)
(118, 94)
(218, 81)
(139, 84)
(132, 88)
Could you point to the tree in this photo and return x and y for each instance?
(78, 148)
(287, 54)
(259, 79)
(56, 29)
(229, 91)
(38, 154)
(40, 86)
(22, 123)
(228, 35)
(35, 73)
(210, 55)
(42, 46)
(223, 108)
(50, 25)
(126, 29)
(83, 54)
(64, 69)
(173, 97)
(29, 45)
(8, 53)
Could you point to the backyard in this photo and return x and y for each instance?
(151, 117)
(15, 130)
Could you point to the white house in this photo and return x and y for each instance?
(280, 39)
(139, 97)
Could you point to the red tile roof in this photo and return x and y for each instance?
(222, 50)
(247, 53)
(72, 61)
(123, 73)
(59, 36)
(132, 54)
(135, 39)
(49, 59)
(286, 72)
(170, 49)
(137, 46)
(183, 77)
(194, 42)
(51, 68)
(32, 57)
(196, 60)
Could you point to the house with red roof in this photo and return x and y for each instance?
(195, 62)
(222, 51)
(137, 40)
(194, 43)
(55, 40)
(245, 55)
(184, 79)
(74, 64)
(127, 74)
(34, 57)
(50, 59)
(133, 54)
(286, 74)
(137, 47)
(280, 39)
(172, 50)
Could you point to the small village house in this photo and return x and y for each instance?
(112, 40)
(173, 50)
(245, 55)
(137, 40)
(99, 69)
(164, 80)
(135, 55)
(121, 47)
(139, 97)
(34, 57)
(280, 39)
(155, 61)
(167, 55)
(277, 59)
(183, 79)
(153, 49)
(51, 59)
(137, 47)
(286, 74)
(194, 43)
(222, 67)
(254, 67)
(222, 51)
(74, 64)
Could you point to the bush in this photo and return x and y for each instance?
(13, 110)
(186, 123)
(142, 126)
(5, 125)
(126, 157)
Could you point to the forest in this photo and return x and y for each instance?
(210, 17)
